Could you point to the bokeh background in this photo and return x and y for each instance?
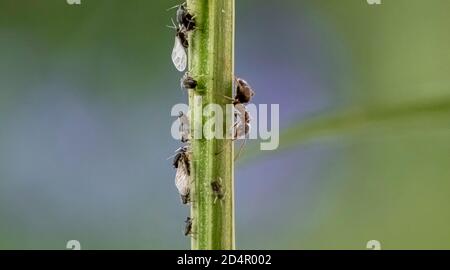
(85, 99)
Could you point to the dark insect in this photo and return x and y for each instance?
(187, 82)
(181, 163)
(244, 92)
(182, 36)
(188, 226)
(185, 199)
(184, 18)
(182, 157)
(217, 189)
(184, 127)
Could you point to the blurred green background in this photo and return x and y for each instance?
(85, 99)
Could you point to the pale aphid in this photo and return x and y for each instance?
(242, 121)
(182, 180)
(184, 127)
(179, 55)
(181, 163)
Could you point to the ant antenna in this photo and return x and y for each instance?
(178, 151)
(172, 7)
(173, 25)
(176, 6)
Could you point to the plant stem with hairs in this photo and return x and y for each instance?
(211, 62)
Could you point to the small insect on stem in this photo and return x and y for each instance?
(184, 127)
(188, 226)
(181, 163)
(244, 92)
(187, 82)
(217, 189)
(185, 18)
(242, 118)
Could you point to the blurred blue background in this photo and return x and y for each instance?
(85, 99)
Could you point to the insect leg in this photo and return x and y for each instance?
(240, 149)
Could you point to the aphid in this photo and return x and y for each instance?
(179, 55)
(187, 82)
(217, 189)
(188, 226)
(184, 127)
(185, 18)
(244, 92)
(181, 163)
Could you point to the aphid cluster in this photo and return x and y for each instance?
(182, 164)
(184, 26)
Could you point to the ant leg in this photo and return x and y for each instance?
(172, 7)
(191, 22)
(226, 97)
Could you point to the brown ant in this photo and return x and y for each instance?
(242, 119)
(244, 92)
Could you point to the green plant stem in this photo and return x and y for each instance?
(211, 62)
